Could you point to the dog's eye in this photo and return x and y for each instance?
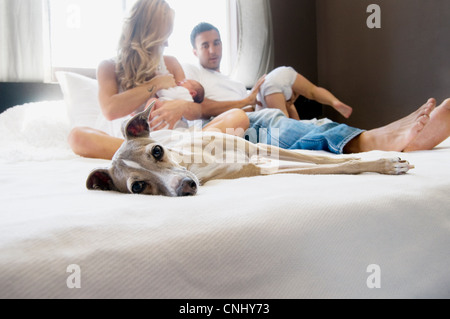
(138, 187)
(158, 153)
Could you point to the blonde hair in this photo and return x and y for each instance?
(145, 33)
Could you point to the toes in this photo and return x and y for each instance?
(424, 119)
(432, 101)
(446, 104)
(422, 122)
(428, 107)
(431, 104)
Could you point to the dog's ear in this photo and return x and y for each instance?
(138, 126)
(100, 179)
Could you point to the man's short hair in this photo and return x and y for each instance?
(200, 28)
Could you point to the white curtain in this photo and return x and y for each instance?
(254, 41)
(24, 41)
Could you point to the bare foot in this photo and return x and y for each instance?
(342, 108)
(395, 136)
(435, 132)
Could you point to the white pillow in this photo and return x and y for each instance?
(81, 98)
(83, 107)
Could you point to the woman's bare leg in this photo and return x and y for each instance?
(91, 143)
(233, 122)
(395, 136)
(436, 131)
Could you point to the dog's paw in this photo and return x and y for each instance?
(397, 166)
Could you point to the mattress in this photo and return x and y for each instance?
(270, 237)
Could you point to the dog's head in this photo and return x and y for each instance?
(143, 166)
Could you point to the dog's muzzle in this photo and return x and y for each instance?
(188, 187)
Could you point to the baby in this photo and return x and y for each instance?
(284, 85)
(188, 90)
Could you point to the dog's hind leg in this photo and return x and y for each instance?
(388, 166)
(277, 153)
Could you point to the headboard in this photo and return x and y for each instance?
(16, 93)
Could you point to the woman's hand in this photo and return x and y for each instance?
(163, 82)
(165, 115)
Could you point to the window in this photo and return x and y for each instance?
(85, 32)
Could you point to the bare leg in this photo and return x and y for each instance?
(91, 143)
(292, 111)
(233, 122)
(393, 137)
(342, 108)
(302, 86)
(436, 131)
(278, 101)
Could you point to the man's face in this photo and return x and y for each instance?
(208, 49)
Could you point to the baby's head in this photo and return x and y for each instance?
(195, 88)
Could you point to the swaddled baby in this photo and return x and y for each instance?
(188, 90)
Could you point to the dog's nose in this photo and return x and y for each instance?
(188, 187)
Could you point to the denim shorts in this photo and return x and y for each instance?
(271, 126)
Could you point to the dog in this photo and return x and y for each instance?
(175, 163)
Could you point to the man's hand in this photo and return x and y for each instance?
(253, 96)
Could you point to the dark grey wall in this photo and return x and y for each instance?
(383, 73)
(294, 29)
(295, 37)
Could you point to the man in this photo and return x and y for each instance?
(421, 130)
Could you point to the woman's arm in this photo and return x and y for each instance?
(168, 113)
(174, 67)
(115, 105)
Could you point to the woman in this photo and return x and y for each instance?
(140, 70)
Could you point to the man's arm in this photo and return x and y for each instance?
(210, 108)
(214, 108)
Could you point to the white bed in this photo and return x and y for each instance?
(287, 236)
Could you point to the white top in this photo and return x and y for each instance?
(279, 80)
(175, 93)
(218, 87)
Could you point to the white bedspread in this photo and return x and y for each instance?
(287, 236)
